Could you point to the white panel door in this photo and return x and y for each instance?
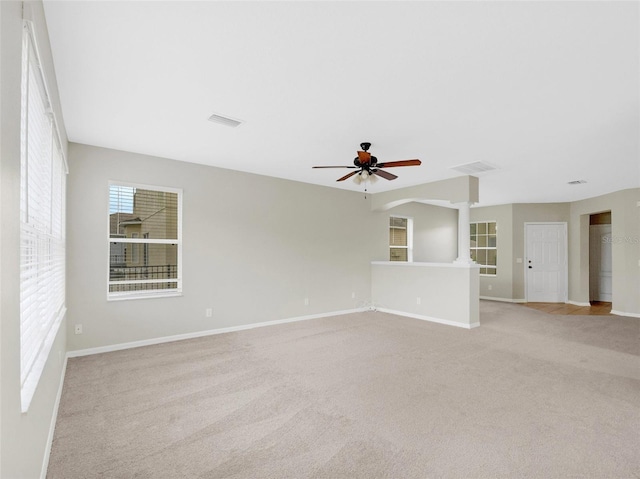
(546, 262)
(600, 263)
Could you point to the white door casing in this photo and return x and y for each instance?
(546, 262)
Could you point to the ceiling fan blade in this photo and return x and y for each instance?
(384, 174)
(389, 164)
(348, 175)
(333, 167)
(364, 157)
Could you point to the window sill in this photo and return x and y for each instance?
(127, 296)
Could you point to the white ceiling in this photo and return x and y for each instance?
(546, 91)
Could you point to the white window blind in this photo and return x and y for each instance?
(42, 224)
(145, 244)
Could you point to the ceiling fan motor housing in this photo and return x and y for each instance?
(372, 162)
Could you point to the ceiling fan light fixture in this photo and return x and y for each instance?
(357, 179)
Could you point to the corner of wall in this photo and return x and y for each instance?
(24, 437)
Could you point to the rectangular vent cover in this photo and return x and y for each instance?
(225, 120)
(474, 168)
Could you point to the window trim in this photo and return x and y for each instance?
(31, 59)
(154, 293)
(486, 248)
(409, 246)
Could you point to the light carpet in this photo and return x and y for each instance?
(367, 395)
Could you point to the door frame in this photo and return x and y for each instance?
(566, 256)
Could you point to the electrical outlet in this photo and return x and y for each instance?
(306, 301)
(353, 295)
(418, 301)
(78, 329)
(208, 312)
(490, 287)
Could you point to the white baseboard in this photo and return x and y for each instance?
(577, 303)
(622, 313)
(429, 318)
(504, 300)
(52, 426)
(199, 334)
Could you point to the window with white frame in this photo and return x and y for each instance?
(145, 241)
(400, 239)
(42, 222)
(484, 250)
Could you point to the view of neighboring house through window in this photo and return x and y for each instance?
(484, 246)
(400, 239)
(135, 250)
(43, 173)
(145, 241)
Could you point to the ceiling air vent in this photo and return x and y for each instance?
(474, 168)
(225, 120)
(576, 182)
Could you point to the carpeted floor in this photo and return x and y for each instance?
(367, 395)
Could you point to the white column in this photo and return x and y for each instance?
(464, 243)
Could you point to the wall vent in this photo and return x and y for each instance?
(474, 168)
(225, 120)
(577, 182)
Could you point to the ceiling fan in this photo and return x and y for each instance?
(367, 165)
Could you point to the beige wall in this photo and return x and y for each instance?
(502, 283)
(446, 293)
(625, 230)
(459, 189)
(625, 220)
(435, 232)
(23, 437)
(510, 219)
(254, 248)
(508, 284)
